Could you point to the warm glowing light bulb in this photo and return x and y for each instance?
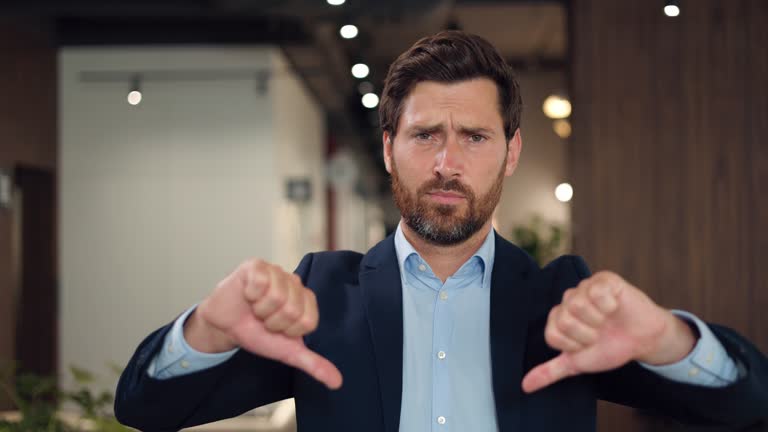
(556, 107)
(348, 31)
(562, 128)
(360, 70)
(370, 100)
(671, 10)
(564, 192)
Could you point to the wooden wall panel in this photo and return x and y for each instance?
(28, 131)
(669, 157)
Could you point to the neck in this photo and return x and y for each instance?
(446, 260)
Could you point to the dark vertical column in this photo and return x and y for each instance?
(28, 136)
(669, 157)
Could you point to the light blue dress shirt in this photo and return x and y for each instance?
(446, 349)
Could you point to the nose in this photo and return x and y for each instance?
(449, 161)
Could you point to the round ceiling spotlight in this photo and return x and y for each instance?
(562, 128)
(370, 100)
(556, 106)
(360, 70)
(134, 95)
(672, 8)
(564, 192)
(348, 31)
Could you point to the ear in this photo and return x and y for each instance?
(386, 138)
(514, 147)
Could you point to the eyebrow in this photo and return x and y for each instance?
(440, 127)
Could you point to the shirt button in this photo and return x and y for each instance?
(441, 420)
(693, 372)
(170, 348)
(422, 267)
(184, 364)
(710, 357)
(441, 355)
(443, 295)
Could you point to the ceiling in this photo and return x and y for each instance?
(528, 33)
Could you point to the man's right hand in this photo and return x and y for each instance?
(265, 310)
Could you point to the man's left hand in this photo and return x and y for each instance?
(605, 323)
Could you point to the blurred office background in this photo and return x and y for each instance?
(148, 147)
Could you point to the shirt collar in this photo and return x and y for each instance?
(485, 253)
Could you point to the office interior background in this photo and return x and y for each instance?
(148, 147)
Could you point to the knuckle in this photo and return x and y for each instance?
(291, 312)
(566, 323)
(577, 305)
(309, 322)
(252, 263)
(567, 293)
(276, 297)
(596, 291)
(552, 315)
(550, 335)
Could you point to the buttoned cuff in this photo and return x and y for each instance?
(708, 364)
(177, 358)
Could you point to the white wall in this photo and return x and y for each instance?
(158, 202)
(300, 142)
(531, 189)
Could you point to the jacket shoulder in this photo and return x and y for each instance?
(330, 265)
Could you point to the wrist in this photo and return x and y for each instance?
(205, 338)
(675, 342)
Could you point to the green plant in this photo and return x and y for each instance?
(542, 240)
(38, 400)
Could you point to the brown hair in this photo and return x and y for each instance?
(450, 56)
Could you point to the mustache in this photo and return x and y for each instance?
(442, 184)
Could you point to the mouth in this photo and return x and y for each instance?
(446, 197)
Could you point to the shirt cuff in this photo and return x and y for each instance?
(708, 364)
(177, 358)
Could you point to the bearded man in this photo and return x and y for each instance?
(444, 325)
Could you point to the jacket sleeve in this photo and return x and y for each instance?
(243, 382)
(743, 403)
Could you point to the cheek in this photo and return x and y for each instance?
(485, 173)
(412, 168)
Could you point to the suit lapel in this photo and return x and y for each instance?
(383, 297)
(508, 323)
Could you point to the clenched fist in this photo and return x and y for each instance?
(265, 310)
(605, 323)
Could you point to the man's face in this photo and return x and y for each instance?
(449, 158)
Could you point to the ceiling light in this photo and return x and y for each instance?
(557, 107)
(134, 95)
(672, 9)
(562, 128)
(370, 100)
(360, 70)
(348, 31)
(336, 2)
(564, 192)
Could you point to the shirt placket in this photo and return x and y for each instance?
(441, 349)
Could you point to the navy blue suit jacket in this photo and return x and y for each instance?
(361, 332)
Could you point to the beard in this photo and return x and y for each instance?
(445, 224)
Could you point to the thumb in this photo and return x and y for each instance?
(315, 366)
(548, 373)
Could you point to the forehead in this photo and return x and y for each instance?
(471, 103)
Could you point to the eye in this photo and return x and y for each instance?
(423, 136)
(476, 138)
